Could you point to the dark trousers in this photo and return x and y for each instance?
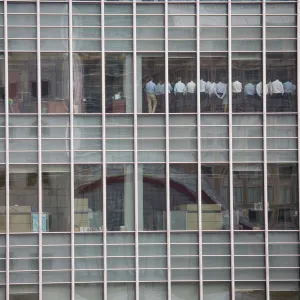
(191, 102)
(179, 102)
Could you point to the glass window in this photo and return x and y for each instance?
(183, 78)
(283, 196)
(281, 82)
(213, 82)
(215, 195)
(55, 82)
(87, 83)
(88, 198)
(119, 83)
(184, 196)
(23, 194)
(56, 197)
(150, 83)
(152, 197)
(250, 290)
(248, 196)
(247, 91)
(22, 77)
(120, 197)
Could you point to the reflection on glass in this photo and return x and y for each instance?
(56, 197)
(213, 82)
(2, 89)
(215, 190)
(152, 196)
(211, 289)
(22, 82)
(248, 190)
(283, 295)
(89, 291)
(23, 193)
(2, 197)
(151, 83)
(182, 76)
(55, 82)
(183, 197)
(281, 82)
(120, 197)
(87, 82)
(119, 83)
(88, 204)
(246, 82)
(283, 196)
(250, 295)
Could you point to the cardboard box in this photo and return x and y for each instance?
(118, 106)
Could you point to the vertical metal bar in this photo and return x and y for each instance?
(72, 150)
(298, 106)
(103, 154)
(6, 149)
(265, 166)
(136, 193)
(198, 67)
(40, 194)
(231, 204)
(167, 152)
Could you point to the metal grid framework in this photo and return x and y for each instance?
(136, 191)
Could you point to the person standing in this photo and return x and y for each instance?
(151, 97)
(179, 91)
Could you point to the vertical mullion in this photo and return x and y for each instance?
(136, 193)
(167, 153)
(265, 167)
(39, 103)
(298, 105)
(199, 192)
(6, 106)
(71, 150)
(231, 206)
(103, 154)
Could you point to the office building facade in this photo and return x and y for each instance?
(149, 150)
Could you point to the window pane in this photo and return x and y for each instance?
(151, 85)
(22, 83)
(119, 83)
(152, 199)
(213, 83)
(215, 194)
(281, 82)
(247, 91)
(120, 197)
(55, 82)
(183, 97)
(87, 95)
(56, 196)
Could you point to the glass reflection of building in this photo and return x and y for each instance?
(149, 150)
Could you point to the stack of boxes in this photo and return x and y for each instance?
(19, 220)
(81, 217)
(212, 218)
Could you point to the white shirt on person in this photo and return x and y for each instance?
(288, 87)
(179, 87)
(169, 88)
(210, 88)
(249, 89)
(221, 88)
(277, 87)
(150, 87)
(191, 87)
(259, 89)
(202, 86)
(236, 87)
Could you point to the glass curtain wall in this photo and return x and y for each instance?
(110, 176)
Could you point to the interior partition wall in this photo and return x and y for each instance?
(149, 150)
